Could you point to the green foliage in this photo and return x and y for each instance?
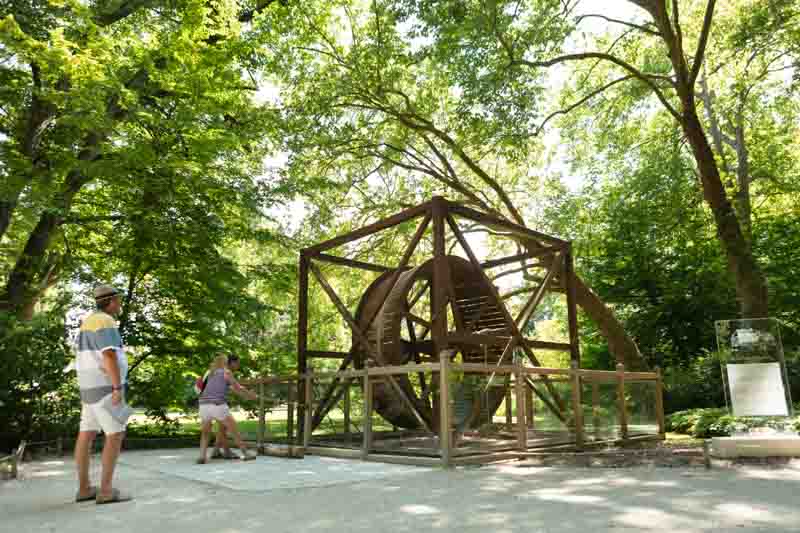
(37, 400)
(703, 423)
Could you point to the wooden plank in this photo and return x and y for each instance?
(495, 221)
(445, 411)
(344, 261)
(621, 404)
(486, 458)
(520, 257)
(375, 227)
(285, 451)
(596, 409)
(403, 369)
(466, 337)
(577, 407)
(572, 308)
(546, 345)
(522, 427)
(326, 354)
(367, 422)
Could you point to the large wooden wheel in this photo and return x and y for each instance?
(401, 330)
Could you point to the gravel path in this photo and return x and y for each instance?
(317, 494)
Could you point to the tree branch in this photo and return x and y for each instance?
(702, 42)
(646, 78)
(617, 21)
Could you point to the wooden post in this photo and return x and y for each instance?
(577, 407)
(508, 406)
(367, 422)
(529, 405)
(572, 310)
(307, 410)
(445, 413)
(621, 407)
(519, 389)
(347, 433)
(262, 418)
(662, 429)
(596, 409)
(302, 319)
(440, 275)
(290, 416)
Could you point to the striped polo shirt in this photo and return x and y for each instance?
(98, 333)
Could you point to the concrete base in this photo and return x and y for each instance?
(756, 446)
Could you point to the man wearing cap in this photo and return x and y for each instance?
(102, 373)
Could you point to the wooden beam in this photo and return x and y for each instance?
(380, 225)
(577, 407)
(621, 404)
(530, 254)
(324, 354)
(662, 429)
(445, 412)
(495, 221)
(440, 276)
(366, 445)
(546, 345)
(572, 308)
(519, 392)
(351, 263)
(530, 306)
(302, 319)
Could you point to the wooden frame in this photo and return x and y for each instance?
(432, 354)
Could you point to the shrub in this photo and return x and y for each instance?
(718, 422)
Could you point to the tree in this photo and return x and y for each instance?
(91, 100)
(360, 105)
(527, 37)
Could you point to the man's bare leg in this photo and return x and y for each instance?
(83, 447)
(111, 450)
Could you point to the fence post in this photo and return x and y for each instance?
(308, 410)
(508, 405)
(290, 416)
(621, 407)
(347, 434)
(529, 405)
(367, 444)
(519, 389)
(662, 429)
(577, 407)
(262, 418)
(596, 409)
(445, 414)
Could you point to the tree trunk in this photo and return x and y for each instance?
(751, 285)
(22, 287)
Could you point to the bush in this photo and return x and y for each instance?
(37, 400)
(703, 423)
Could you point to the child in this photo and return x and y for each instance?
(214, 405)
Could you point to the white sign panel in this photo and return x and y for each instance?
(757, 389)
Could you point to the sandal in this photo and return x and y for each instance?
(201, 461)
(230, 455)
(217, 455)
(90, 496)
(116, 497)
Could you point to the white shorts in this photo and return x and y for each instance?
(96, 417)
(210, 411)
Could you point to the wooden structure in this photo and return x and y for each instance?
(417, 325)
